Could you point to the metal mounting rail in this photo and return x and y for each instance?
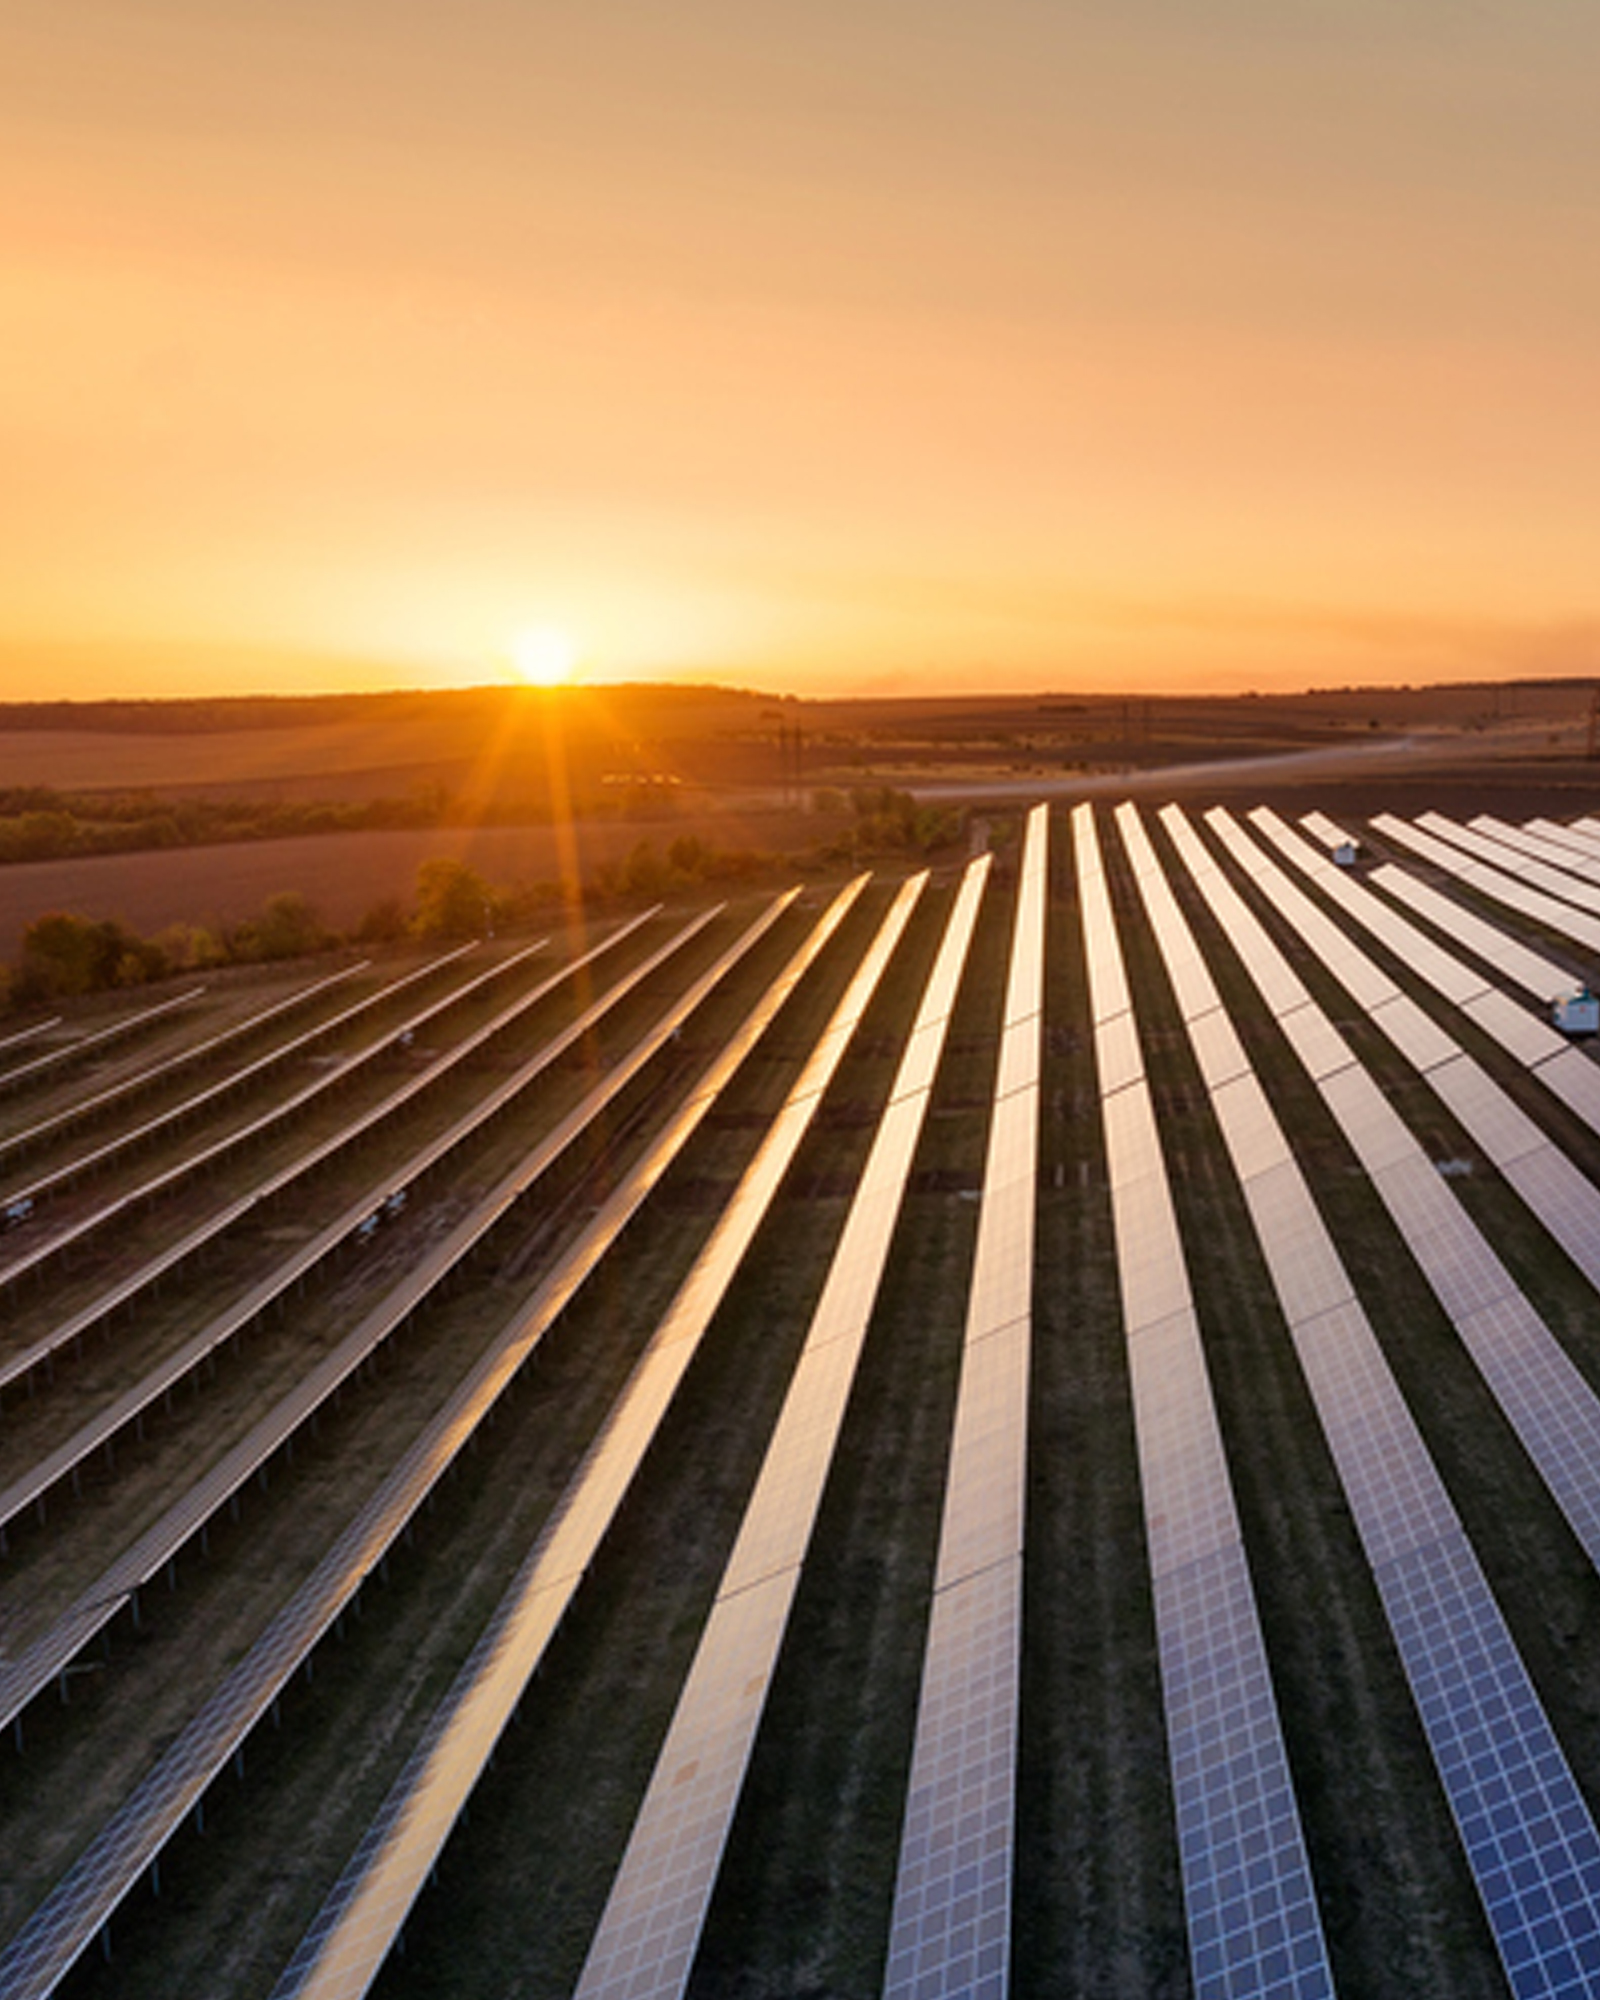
(70, 1051)
(185, 1058)
(183, 1171)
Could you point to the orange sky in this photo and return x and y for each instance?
(854, 343)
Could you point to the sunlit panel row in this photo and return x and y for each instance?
(1529, 1837)
(160, 1542)
(357, 1926)
(1252, 1917)
(950, 1932)
(148, 1075)
(653, 1916)
(1516, 855)
(1581, 844)
(74, 1051)
(1551, 853)
(64, 1925)
(73, 1454)
(1509, 890)
(1558, 1194)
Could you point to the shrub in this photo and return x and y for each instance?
(453, 901)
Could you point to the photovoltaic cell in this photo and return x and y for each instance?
(951, 1925)
(1253, 1925)
(1529, 1839)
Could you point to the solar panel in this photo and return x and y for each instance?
(1420, 953)
(1510, 890)
(652, 1919)
(1575, 1080)
(1529, 1839)
(1320, 827)
(1510, 848)
(950, 1934)
(1217, 1047)
(1316, 1040)
(360, 1919)
(1252, 1929)
(1557, 854)
(1512, 959)
(1518, 1032)
(1417, 1036)
(951, 1922)
(1582, 849)
(34, 1669)
(1557, 1193)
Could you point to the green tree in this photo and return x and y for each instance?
(73, 954)
(288, 927)
(453, 900)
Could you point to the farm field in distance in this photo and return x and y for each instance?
(802, 1901)
(471, 775)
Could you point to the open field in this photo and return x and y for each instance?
(341, 875)
(735, 782)
(802, 1902)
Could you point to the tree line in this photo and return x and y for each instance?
(65, 955)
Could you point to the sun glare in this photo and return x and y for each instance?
(544, 656)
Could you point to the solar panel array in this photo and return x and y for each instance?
(37, 1665)
(1558, 1194)
(950, 1931)
(1527, 1037)
(355, 1929)
(63, 1926)
(1253, 1923)
(1554, 1411)
(70, 1052)
(1514, 892)
(1555, 853)
(1447, 974)
(68, 1458)
(645, 1942)
(102, 1155)
(1528, 1835)
(1515, 851)
(187, 1057)
(1581, 848)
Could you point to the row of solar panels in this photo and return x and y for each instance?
(130, 1844)
(58, 1934)
(1252, 1921)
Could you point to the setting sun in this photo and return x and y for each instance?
(544, 655)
